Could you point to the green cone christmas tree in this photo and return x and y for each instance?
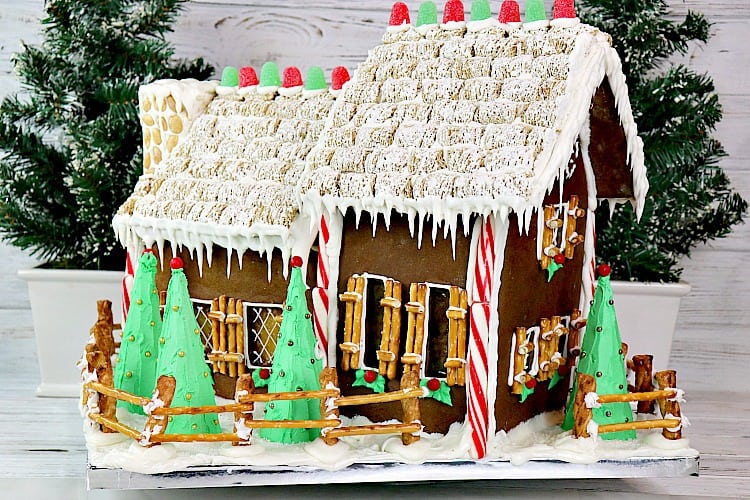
(602, 357)
(296, 366)
(135, 371)
(181, 356)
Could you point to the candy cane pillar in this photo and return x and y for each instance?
(324, 293)
(479, 338)
(131, 261)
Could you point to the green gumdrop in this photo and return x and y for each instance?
(427, 13)
(316, 79)
(480, 10)
(269, 75)
(230, 77)
(535, 11)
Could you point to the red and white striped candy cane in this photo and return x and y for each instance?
(320, 293)
(478, 411)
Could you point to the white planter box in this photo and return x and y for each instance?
(647, 315)
(63, 308)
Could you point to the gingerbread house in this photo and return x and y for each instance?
(443, 201)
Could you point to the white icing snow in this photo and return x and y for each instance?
(537, 439)
(592, 400)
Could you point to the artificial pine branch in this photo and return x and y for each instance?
(690, 199)
(70, 145)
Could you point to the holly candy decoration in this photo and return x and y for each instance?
(399, 14)
(480, 10)
(427, 13)
(437, 390)
(316, 79)
(564, 9)
(527, 389)
(535, 11)
(370, 379)
(510, 12)
(557, 263)
(453, 12)
(556, 377)
(261, 376)
(229, 77)
(269, 75)
(292, 77)
(339, 76)
(248, 78)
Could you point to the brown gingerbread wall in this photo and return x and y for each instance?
(526, 297)
(395, 254)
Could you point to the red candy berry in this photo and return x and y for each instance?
(176, 263)
(604, 269)
(248, 77)
(531, 383)
(399, 14)
(559, 258)
(433, 384)
(339, 77)
(264, 374)
(296, 261)
(510, 12)
(564, 9)
(292, 77)
(370, 376)
(454, 11)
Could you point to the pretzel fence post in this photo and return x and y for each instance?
(412, 413)
(328, 410)
(582, 414)
(244, 386)
(642, 365)
(157, 424)
(667, 379)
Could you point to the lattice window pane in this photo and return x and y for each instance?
(201, 308)
(261, 331)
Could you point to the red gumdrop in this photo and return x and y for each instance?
(248, 77)
(454, 11)
(399, 14)
(531, 383)
(296, 261)
(264, 374)
(292, 77)
(559, 258)
(339, 77)
(370, 376)
(604, 269)
(433, 384)
(510, 12)
(176, 263)
(564, 9)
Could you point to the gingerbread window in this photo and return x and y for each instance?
(372, 324)
(261, 331)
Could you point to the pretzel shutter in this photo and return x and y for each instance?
(549, 248)
(415, 308)
(456, 363)
(353, 298)
(522, 348)
(391, 334)
(572, 238)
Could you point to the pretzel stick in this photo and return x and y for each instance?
(461, 351)
(114, 425)
(395, 330)
(385, 340)
(240, 312)
(232, 337)
(214, 330)
(642, 365)
(636, 396)
(357, 323)
(379, 398)
(362, 430)
(639, 425)
(222, 334)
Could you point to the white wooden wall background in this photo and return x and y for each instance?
(715, 317)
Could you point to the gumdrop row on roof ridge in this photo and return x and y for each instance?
(453, 12)
(291, 78)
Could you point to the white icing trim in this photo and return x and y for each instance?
(565, 22)
(335, 232)
(536, 25)
(290, 91)
(405, 26)
(225, 90)
(246, 91)
(425, 28)
(511, 26)
(266, 90)
(484, 24)
(307, 94)
(191, 95)
(453, 25)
